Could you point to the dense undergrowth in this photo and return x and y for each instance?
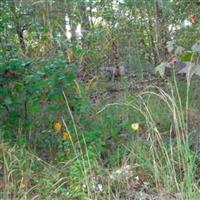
(69, 132)
(124, 145)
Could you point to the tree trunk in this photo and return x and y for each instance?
(115, 49)
(161, 31)
(151, 39)
(18, 27)
(85, 23)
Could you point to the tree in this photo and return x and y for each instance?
(161, 31)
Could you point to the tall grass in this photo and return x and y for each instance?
(168, 156)
(162, 150)
(173, 162)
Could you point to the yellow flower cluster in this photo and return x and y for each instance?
(57, 127)
(65, 134)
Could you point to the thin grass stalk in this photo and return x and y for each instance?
(156, 155)
(178, 94)
(77, 136)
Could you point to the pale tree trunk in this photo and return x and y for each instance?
(62, 6)
(85, 23)
(85, 29)
(72, 22)
(147, 37)
(151, 32)
(71, 11)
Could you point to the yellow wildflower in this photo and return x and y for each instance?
(57, 127)
(135, 126)
(66, 136)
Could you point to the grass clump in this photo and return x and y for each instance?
(139, 147)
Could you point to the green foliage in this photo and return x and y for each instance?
(189, 60)
(160, 69)
(47, 78)
(25, 89)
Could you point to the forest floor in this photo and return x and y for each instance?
(133, 144)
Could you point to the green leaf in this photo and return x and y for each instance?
(35, 107)
(55, 108)
(160, 69)
(196, 47)
(179, 50)
(79, 51)
(22, 141)
(170, 46)
(186, 57)
(195, 70)
(15, 63)
(8, 101)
